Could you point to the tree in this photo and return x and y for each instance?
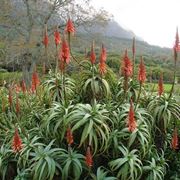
(26, 20)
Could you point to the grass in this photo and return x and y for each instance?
(9, 76)
(167, 88)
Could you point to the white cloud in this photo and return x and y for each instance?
(153, 20)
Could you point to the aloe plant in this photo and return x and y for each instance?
(55, 121)
(141, 136)
(93, 85)
(92, 122)
(102, 174)
(154, 170)
(72, 164)
(45, 162)
(164, 109)
(58, 87)
(128, 166)
(6, 157)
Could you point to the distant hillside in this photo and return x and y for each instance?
(111, 29)
(118, 45)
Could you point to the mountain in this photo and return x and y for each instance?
(111, 29)
(117, 45)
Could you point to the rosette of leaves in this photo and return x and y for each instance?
(23, 174)
(141, 137)
(155, 169)
(45, 162)
(93, 85)
(29, 146)
(72, 164)
(55, 123)
(59, 86)
(128, 166)
(164, 110)
(102, 174)
(92, 124)
(132, 91)
(6, 162)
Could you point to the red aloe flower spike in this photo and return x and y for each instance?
(10, 98)
(160, 85)
(88, 158)
(142, 72)
(57, 37)
(177, 45)
(103, 55)
(45, 39)
(70, 27)
(69, 136)
(35, 80)
(102, 68)
(174, 141)
(23, 86)
(17, 142)
(131, 120)
(17, 105)
(126, 66)
(92, 54)
(64, 52)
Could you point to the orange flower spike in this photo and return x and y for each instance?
(103, 55)
(23, 86)
(92, 54)
(35, 80)
(88, 158)
(132, 125)
(17, 142)
(126, 66)
(142, 72)
(65, 52)
(69, 136)
(174, 141)
(160, 85)
(102, 68)
(57, 37)
(70, 27)
(45, 39)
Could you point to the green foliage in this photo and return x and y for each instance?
(9, 77)
(72, 164)
(45, 162)
(164, 109)
(95, 109)
(154, 170)
(59, 86)
(129, 166)
(6, 157)
(92, 123)
(56, 120)
(102, 174)
(93, 85)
